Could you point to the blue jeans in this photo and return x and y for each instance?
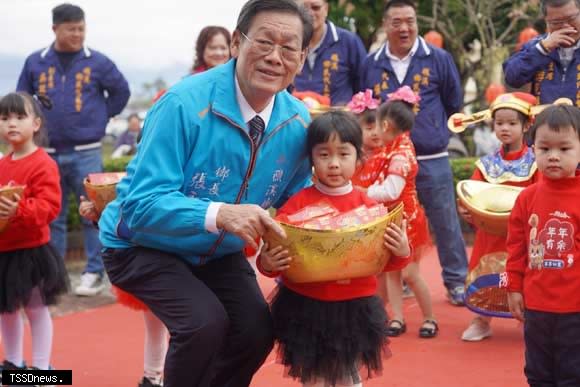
(437, 195)
(73, 168)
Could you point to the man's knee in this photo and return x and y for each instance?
(258, 330)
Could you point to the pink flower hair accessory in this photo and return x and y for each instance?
(362, 101)
(405, 94)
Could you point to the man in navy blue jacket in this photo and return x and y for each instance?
(406, 59)
(85, 89)
(334, 59)
(551, 62)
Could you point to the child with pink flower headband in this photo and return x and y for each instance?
(396, 184)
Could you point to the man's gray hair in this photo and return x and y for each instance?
(556, 4)
(254, 7)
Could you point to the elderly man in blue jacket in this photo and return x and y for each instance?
(406, 59)
(218, 149)
(334, 58)
(551, 62)
(85, 89)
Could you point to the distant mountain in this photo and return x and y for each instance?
(10, 67)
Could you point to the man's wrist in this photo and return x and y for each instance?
(544, 46)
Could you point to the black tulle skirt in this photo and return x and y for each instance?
(23, 270)
(334, 341)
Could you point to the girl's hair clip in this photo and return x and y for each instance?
(405, 94)
(362, 101)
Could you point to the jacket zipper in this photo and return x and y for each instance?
(245, 186)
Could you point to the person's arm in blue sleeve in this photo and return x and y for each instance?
(358, 55)
(117, 89)
(301, 179)
(154, 201)
(25, 79)
(451, 95)
(521, 67)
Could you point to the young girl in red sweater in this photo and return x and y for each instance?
(396, 184)
(32, 274)
(326, 330)
(512, 164)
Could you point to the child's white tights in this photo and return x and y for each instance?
(341, 383)
(41, 330)
(156, 342)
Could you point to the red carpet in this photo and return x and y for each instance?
(103, 347)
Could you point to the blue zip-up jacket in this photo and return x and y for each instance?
(83, 98)
(196, 149)
(549, 79)
(337, 67)
(433, 74)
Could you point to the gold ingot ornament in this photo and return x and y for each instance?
(103, 194)
(334, 255)
(489, 204)
(9, 192)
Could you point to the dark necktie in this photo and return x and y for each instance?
(256, 126)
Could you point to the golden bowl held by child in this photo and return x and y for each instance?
(333, 255)
(101, 188)
(9, 192)
(489, 204)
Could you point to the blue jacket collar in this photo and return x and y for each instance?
(226, 104)
(331, 36)
(49, 52)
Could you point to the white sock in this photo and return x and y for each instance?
(41, 330)
(156, 342)
(13, 336)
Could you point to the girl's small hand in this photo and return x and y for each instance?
(465, 215)
(87, 209)
(275, 259)
(8, 207)
(396, 239)
(516, 305)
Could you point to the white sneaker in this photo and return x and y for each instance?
(478, 330)
(91, 285)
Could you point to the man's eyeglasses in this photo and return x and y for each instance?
(559, 23)
(265, 47)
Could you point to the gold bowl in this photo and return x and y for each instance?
(315, 112)
(103, 194)
(9, 192)
(333, 255)
(489, 204)
(485, 291)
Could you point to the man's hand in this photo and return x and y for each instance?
(559, 38)
(516, 304)
(396, 239)
(8, 207)
(247, 221)
(274, 260)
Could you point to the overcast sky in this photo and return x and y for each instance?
(139, 33)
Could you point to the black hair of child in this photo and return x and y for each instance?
(22, 103)
(344, 124)
(398, 113)
(557, 117)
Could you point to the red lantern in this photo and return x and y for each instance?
(435, 38)
(525, 36)
(493, 91)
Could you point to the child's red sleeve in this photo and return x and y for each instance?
(42, 198)
(517, 246)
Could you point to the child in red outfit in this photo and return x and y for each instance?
(512, 164)
(32, 274)
(156, 336)
(543, 268)
(326, 330)
(396, 184)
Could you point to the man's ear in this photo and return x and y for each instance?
(235, 45)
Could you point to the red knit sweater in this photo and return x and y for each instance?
(333, 290)
(544, 246)
(40, 203)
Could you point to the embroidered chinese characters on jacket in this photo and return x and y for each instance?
(552, 247)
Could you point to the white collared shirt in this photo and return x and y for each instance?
(400, 66)
(247, 114)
